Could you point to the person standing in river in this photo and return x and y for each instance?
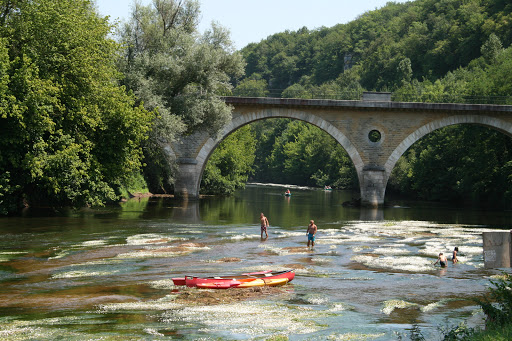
(442, 260)
(312, 229)
(264, 225)
(454, 255)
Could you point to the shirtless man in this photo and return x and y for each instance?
(264, 225)
(442, 260)
(312, 228)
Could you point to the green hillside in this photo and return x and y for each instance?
(426, 50)
(420, 40)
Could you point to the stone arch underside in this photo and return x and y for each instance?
(240, 120)
(486, 121)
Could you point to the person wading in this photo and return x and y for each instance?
(264, 225)
(312, 229)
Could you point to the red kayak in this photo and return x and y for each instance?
(226, 282)
(182, 281)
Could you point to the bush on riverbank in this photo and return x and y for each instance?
(501, 333)
(134, 186)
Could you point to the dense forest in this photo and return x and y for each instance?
(87, 107)
(70, 134)
(425, 50)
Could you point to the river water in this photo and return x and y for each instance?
(106, 273)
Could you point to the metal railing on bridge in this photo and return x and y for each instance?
(395, 97)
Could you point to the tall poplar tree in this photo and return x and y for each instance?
(180, 73)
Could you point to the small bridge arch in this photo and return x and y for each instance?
(482, 120)
(400, 125)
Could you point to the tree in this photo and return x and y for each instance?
(174, 70)
(305, 155)
(70, 135)
(231, 163)
(252, 87)
(492, 48)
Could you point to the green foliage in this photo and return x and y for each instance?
(70, 134)
(230, 164)
(252, 88)
(460, 333)
(266, 132)
(492, 48)
(495, 333)
(497, 305)
(278, 150)
(181, 74)
(134, 184)
(294, 152)
(421, 39)
(459, 164)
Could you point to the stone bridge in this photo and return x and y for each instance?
(374, 131)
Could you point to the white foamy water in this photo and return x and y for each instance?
(411, 263)
(89, 243)
(249, 318)
(164, 303)
(84, 273)
(391, 251)
(432, 306)
(390, 305)
(244, 236)
(8, 255)
(151, 239)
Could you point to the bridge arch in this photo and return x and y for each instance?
(241, 120)
(486, 121)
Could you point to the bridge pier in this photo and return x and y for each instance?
(187, 180)
(373, 186)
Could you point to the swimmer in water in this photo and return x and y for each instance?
(441, 260)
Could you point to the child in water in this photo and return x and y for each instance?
(454, 255)
(441, 260)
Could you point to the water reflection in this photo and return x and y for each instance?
(188, 212)
(371, 214)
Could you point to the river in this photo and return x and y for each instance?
(106, 273)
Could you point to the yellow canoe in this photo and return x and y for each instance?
(261, 282)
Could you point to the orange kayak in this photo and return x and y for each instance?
(261, 282)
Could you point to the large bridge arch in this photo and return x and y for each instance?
(241, 120)
(486, 121)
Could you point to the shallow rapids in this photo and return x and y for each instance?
(106, 274)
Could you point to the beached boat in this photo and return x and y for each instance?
(255, 282)
(225, 282)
